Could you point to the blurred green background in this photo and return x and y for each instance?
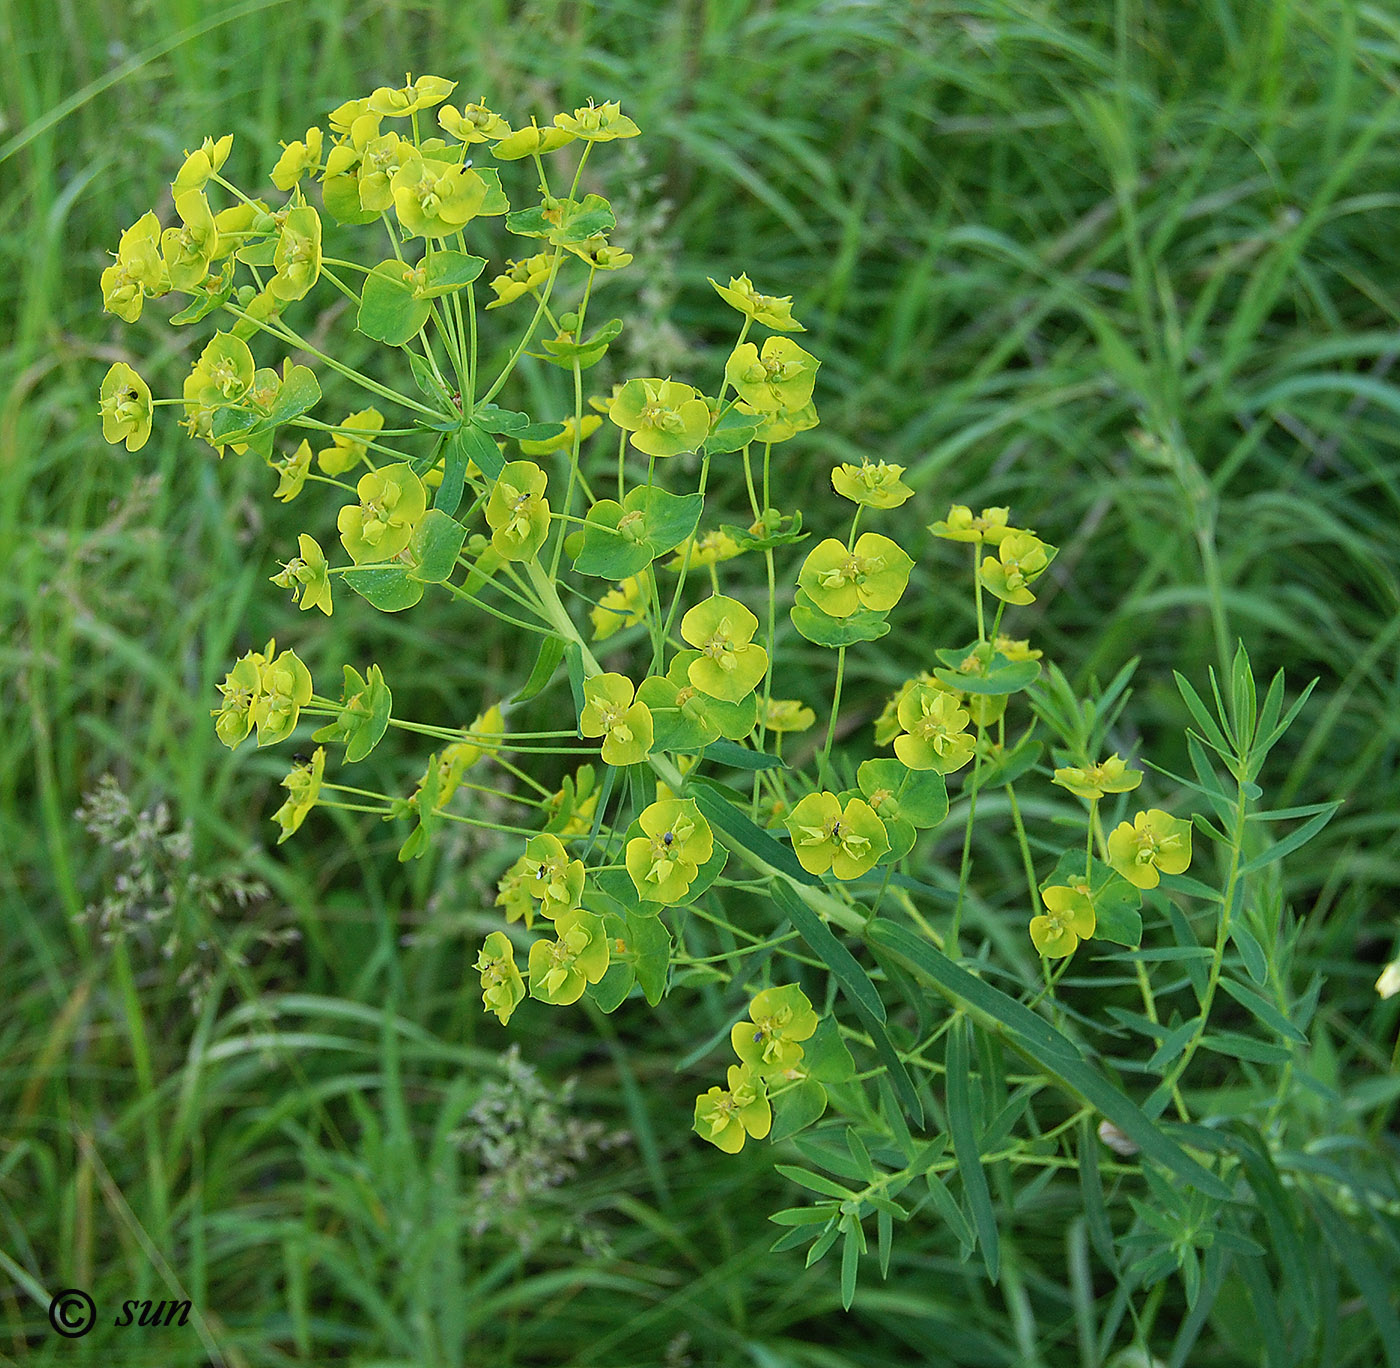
(1127, 267)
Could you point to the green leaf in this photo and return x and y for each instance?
(1231, 1044)
(951, 1213)
(1199, 712)
(1091, 1188)
(389, 588)
(850, 1265)
(435, 546)
(823, 630)
(1251, 952)
(388, 310)
(1057, 1056)
(796, 1108)
(813, 1182)
(1263, 1010)
(854, 981)
(480, 447)
(741, 757)
(454, 473)
(651, 940)
(1299, 836)
(798, 1216)
(501, 422)
(966, 1150)
(551, 652)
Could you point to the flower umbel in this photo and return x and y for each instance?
(1152, 844)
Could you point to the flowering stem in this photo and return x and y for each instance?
(824, 759)
(966, 866)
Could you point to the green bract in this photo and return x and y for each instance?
(935, 735)
(364, 715)
(780, 1019)
(521, 277)
(726, 1117)
(960, 525)
(612, 713)
(825, 836)
(663, 417)
(298, 255)
(1069, 918)
(780, 378)
(399, 102)
(436, 198)
(772, 311)
(665, 861)
(125, 405)
(553, 879)
(473, 123)
(307, 575)
(786, 715)
(841, 580)
(380, 162)
(137, 272)
(517, 511)
(346, 448)
(392, 501)
(292, 472)
(729, 666)
(530, 142)
(562, 968)
(1152, 844)
(297, 160)
(624, 605)
(1021, 559)
(201, 164)
(303, 787)
(233, 719)
(222, 375)
(876, 485)
(284, 688)
(601, 123)
(502, 988)
(1093, 781)
(188, 250)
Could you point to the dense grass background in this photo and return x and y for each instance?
(1127, 267)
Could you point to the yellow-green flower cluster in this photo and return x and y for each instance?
(664, 861)
(265, 691)
(769, 1046)
(827, 837)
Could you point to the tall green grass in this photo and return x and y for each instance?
(1128, 268)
